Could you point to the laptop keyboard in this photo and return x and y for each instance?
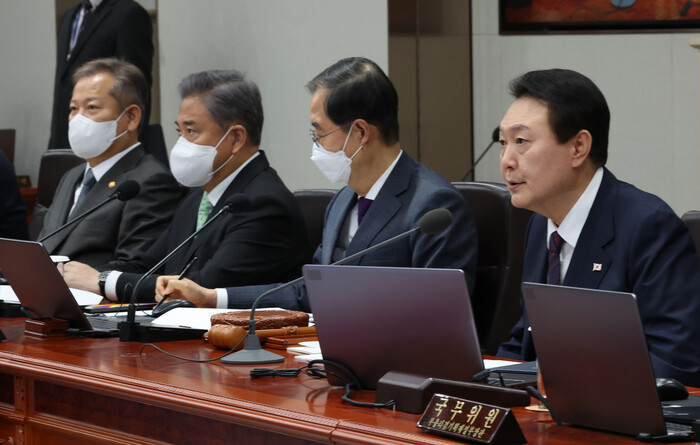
(103, 323)
(495, 381)
(673, 427)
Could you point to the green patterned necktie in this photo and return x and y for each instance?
(205, 207)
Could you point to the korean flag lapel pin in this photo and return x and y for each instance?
(597, 267)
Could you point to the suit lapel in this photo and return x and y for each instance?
(101, 190)
(64, 40)
(385, 206)
(90, 23)
(590, 261)
(237, 186)
(62, 204)
(342, 205)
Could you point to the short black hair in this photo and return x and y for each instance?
(574, 103)
(359, 89)
(229, 98)
(130, 86)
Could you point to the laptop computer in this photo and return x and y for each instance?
(593, 357)
(379, 319)
(42, 291)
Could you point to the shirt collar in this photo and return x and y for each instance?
(95, 3)
(103, 167)
(572, 225)
(217, 192)
(379, 183)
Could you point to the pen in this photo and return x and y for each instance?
(180, 277)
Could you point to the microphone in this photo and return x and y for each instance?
(124, 192)
(433, 222)
(494, 139)
(128, 330)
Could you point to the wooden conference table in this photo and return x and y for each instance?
(68, 390)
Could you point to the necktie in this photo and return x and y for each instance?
(78, 25)
(362, 207)
(205, 207)
(554, 272)
(88, 182)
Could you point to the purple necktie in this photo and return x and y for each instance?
(554, 272)
(362, 207)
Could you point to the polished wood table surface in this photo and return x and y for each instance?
(67, 390)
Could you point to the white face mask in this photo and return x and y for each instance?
(193, 164)
(335, 166)
(89, 139)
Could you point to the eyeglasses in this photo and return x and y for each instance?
(315, 138)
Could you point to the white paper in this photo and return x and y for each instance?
(83, 298)
(305, 347)
(490, 364)
(308, 357)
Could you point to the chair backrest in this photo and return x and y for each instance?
(7, 144)
(501, 229)
(54, 164)
(313, 203)
(154, 143)
(692, 221)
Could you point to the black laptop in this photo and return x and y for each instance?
(593, 356)
(42, 291)
(379, 319)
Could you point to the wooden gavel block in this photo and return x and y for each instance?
(227, 336)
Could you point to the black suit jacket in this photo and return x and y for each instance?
(264, 243)
(117, 28)
(119, 231)
(13, 215)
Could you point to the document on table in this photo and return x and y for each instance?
(83, 298)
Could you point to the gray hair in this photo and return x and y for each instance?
(130, 86)
(229, 98)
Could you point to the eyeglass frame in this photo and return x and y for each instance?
(315, 138)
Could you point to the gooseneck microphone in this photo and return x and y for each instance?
(124, 192)
(494, 138)
(128, 330)
(434, 221)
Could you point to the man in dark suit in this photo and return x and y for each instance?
(96, 29)
(591, 230)
(105, 119)
(220, 126)
(13, 214)
(354, 115)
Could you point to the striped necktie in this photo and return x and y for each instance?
(554, 271)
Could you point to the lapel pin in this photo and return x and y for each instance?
(597, 267)
(112, 184)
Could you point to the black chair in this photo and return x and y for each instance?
(7, 144)
(692, 221)
(313, 203)
(501, 229)
(154, 143)
(54, 164)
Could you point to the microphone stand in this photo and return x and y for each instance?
(129, 330)
(494, 139)
(252, 352)
(111, 197)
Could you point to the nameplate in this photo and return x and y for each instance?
(471, 421)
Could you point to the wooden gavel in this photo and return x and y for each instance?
(226, 336)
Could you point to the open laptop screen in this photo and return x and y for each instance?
(379, 319)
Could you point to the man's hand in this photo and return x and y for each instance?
(184, 289)
(81, 276)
